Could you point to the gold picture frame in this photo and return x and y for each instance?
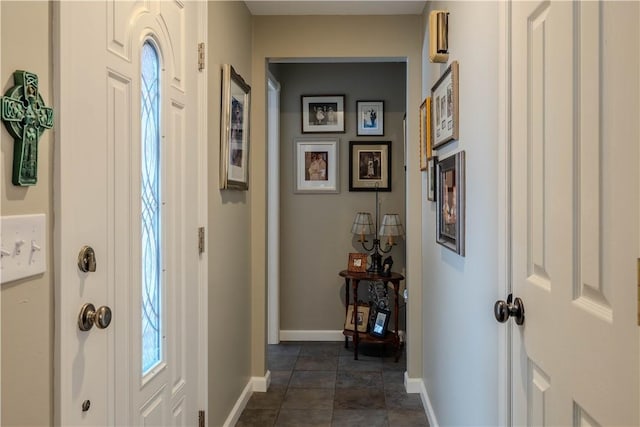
(357, 262)
(362, 319)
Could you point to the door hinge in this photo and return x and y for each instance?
(201, 240)
(200, 418)
(200, 56)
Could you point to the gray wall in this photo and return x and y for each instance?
(315, 229)
(460, 363)
(27, 305)
(228, 226)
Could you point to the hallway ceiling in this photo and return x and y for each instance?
(330, 7)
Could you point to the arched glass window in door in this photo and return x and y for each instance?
(150, 215)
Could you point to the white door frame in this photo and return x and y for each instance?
(273, 209)
(203, 214)
(504, 208)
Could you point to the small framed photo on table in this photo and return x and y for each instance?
(380, 323)
(357, 262)
(361, 318)
(370, 118)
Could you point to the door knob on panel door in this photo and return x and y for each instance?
(89, 316)
(87, 259)
(502, 310)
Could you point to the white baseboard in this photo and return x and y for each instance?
(241, 403)
(416, 385)
(261, 384)
(255, 384)
(311, 336)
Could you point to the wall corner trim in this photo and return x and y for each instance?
(416, 385)
(255, 384)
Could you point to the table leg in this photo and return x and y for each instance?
(396, 341)
(355, 318)
(346, 307)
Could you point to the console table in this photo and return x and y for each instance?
(352, 279)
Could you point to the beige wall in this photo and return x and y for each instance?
(461, 346)
(292, 37)
(315, 228)
(229, 42)
(27, 305)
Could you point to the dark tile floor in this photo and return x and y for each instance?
(319, 384)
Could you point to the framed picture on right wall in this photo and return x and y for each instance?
(450, 199)
(445, 110)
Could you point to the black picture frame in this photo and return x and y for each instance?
(369, 166)
(370, 116)
(380, 323)
(322, 113)
(450, 202)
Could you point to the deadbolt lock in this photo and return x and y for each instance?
(87, 259)
(89, 316)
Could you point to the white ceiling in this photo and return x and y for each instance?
(333, 7)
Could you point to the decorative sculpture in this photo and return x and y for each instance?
(386, 266)
(26, 117)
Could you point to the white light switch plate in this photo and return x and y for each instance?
(23, 244)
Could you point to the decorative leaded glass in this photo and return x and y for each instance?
(150, 218)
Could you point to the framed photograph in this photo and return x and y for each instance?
(369, 166)
(357, 262)
(234, 129)
(431, 179)
(323, 114)
(424, 120)
(361, 319)
(370, 118)
(316, 165)
(380, 323)
(445, 111)
(450, 202)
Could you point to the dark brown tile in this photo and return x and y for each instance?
(280, 378)
(359, 379)
(400, 399)
(407, 418)
(313, 379)
(272, 399)
(321, 349)
(257, 418)
(308, 398)
(365, 363)
(281, 363)
(359, 418)
(283, 349)
(304, 417)
(393, 377)
(359, 398)
(306, 363)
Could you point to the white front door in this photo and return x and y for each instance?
(126, 185)
(574, 189)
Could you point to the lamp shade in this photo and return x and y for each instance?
(391, 225)
(362, 224)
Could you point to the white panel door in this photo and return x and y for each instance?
(574, 189)
(100, 375)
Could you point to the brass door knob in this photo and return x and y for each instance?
(89, 316)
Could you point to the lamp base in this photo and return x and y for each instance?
(376, 263)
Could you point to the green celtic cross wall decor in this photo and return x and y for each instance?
(26, 118)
